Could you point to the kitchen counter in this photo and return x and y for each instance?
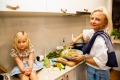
(53, 73)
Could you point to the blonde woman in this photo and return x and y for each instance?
(96, 51)
(23, 54)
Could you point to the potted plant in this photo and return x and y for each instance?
(114, 34)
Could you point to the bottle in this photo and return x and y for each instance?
(64, 45)
(46, 62)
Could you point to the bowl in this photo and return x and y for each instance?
(72, 56)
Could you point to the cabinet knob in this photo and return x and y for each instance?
(67, 77)
(86, 10)
(63, 11)
(12, 7)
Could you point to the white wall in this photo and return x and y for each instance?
(45, 32)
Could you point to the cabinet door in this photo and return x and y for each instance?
(70, 75)
(92, 4)
(23, 5)
(62, 6)
(80, 72)
(71, 6)
(61, 78)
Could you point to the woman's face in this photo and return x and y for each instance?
(98, 21)
(22, 43)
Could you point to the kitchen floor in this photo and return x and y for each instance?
(114, 75)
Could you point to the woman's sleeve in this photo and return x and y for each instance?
(100, 50)
(87, 34)
(13, 53)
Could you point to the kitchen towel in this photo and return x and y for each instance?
(112, 61)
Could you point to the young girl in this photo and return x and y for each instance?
(23, 54)
(98, 47)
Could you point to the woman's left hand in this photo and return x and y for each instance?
(78, 58)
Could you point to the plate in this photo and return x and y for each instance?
(71, 56)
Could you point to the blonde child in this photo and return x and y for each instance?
(23, 54)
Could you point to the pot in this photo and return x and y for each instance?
(78, 46)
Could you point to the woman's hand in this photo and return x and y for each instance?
(78, 58)
(73, 41)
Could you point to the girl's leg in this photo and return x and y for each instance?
(23, 77)
(33, 76)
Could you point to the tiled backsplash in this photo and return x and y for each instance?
(44, 32)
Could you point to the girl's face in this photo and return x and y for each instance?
(22, 43)
(98, 21)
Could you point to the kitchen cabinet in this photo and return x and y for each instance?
(49, 7)
(61, 78)
(63, 6)
(69, 73)
(68, 76)
(78, 73)
(90, 5)
(20, 5)
(71, 6)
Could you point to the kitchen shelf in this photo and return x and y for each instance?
(116, 41)
(31, 14)
(83, 13)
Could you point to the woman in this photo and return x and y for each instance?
(96, 50)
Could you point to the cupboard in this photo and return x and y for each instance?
(20, 5)
(51, 6)
(78, 73)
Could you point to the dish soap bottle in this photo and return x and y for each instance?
(64, 45)
(46, 61)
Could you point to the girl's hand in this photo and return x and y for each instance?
(23, 70)
(27, 70)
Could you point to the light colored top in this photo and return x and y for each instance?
(24, 55)
(98, 51)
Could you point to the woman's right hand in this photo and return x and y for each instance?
(73, 41)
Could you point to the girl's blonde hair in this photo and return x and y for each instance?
(17, 36)
(108, 28)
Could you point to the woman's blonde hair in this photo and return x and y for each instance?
(17, 36)
(108, 28)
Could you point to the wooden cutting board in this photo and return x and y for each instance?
(3, 69)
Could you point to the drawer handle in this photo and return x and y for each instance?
(13, 8)
(63, 11)
(67, 77)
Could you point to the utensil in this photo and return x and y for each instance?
(78, 46)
